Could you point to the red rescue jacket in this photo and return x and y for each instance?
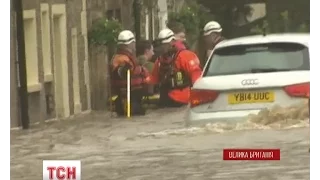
(122, 61)
(184, 61)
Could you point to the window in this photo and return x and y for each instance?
(46, 46)
(114, 14)
(118, 14)
(110, 14)
(258, 58)
(30, 34)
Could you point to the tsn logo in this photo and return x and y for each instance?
(61, 170)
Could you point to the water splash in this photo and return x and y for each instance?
(295, 116)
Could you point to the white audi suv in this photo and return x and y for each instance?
(247, 74)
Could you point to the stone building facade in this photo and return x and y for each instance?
(56, 57)
(154, 16)
(59, 75)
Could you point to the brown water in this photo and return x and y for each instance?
(157, 146)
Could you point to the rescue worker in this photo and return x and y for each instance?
(124, 60)
(308, 96)
(179, 32)
(175, 70)
(212, 36)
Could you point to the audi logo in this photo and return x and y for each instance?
(247, 82)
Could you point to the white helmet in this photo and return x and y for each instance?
(126, 37)
(211, 27)
(166, 35)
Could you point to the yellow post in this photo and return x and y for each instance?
(128, 94)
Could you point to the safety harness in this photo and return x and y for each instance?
(170, 76)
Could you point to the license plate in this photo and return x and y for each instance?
(251, 97)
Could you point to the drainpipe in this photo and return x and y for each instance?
(84, 31)
(23, 89)
(136, 14)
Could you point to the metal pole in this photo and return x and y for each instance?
(128, 94)
(23, 89)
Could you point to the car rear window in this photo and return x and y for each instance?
(258, 58)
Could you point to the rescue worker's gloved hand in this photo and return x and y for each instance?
(122, 70)
(155, 57)
(157, 50)
(127, 66)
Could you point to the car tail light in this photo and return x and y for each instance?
(298, 90)
(199, 96)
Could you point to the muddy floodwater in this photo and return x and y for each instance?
(159, 147)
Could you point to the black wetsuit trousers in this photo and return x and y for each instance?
(166, 101)
(136, 103)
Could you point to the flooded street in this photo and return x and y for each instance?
(159, 147)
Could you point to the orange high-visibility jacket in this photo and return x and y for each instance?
(188, 62)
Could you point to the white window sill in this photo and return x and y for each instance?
(35, 87)
(48, 78)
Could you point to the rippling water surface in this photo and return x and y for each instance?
(158, 146)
